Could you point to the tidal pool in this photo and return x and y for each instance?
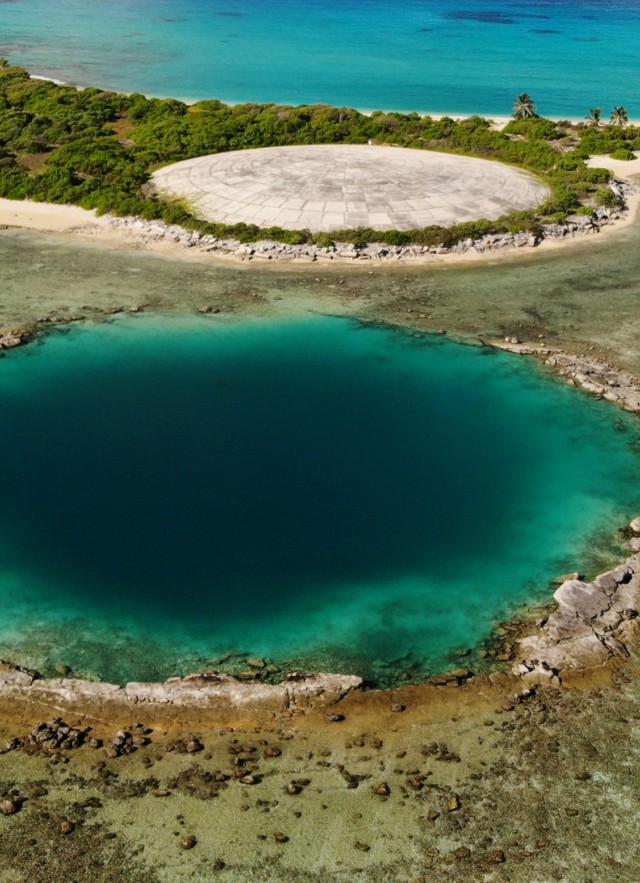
(315, 491)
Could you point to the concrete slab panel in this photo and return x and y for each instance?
(385, 187)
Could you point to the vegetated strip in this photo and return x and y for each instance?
(97, 149)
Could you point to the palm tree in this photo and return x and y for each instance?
(595, 115)
(619, 116)
(524, 107)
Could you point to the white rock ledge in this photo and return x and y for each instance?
(202, 690)
(593, 623)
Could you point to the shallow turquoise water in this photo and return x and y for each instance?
(433, 55)
(311, 490)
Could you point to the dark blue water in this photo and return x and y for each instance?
(457, 56)
(311, 489)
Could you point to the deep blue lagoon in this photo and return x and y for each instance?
(312, 490)
(455, 56)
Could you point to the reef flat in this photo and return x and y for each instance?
(542, 788)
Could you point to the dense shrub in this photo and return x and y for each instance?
(395, 237)
(562, 201)
(98, 149)
(534, 129)
(322, 240)
(607, 198)
(623, 153)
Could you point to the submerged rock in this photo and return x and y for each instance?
(600, 379)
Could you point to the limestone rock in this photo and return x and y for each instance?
(593, 622)
(14, 675)
(582, 599)
(205, 689)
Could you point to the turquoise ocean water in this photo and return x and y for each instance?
(310, 490)
(459, 56)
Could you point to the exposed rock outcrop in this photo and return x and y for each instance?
(204, 690)
(11, 339)
(593, 623)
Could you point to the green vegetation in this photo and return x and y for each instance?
(97, 149)
(524, 106)
(595, 116)
(607, 198)
(619, 116)
(623, 153)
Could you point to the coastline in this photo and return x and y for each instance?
(391, 790)
(525, 773)
(322, 780)
(598, 378)
(592, 626)
(413, 784)
(499, 119)
(134, 234)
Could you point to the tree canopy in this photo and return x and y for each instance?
(524, 106)
(98, 149)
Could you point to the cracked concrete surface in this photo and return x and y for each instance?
(337, 186)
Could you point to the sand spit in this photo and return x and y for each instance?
(48, 217)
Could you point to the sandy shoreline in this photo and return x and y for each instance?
(47, 217)
(498, 120)
(82, 224)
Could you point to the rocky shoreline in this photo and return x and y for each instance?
(205, 690)
(600, 379)
(593, 624)
(148, 233)
(575, 636)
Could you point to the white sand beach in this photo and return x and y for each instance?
(47, 217)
